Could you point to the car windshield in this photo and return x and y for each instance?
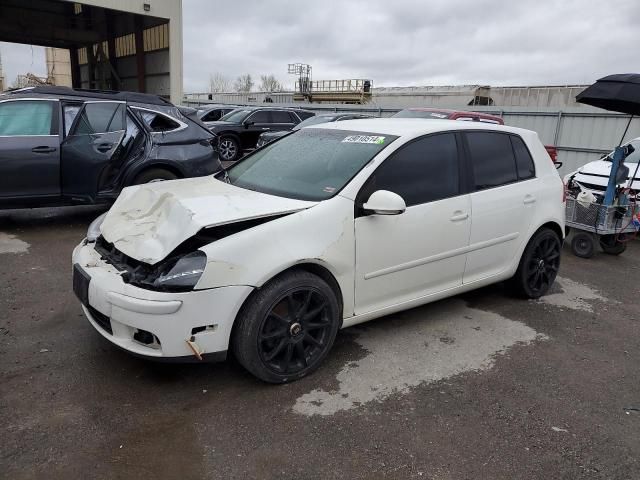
(236, 116)
(421, 114)
(315, 121)
(310, 164)
(634, 157)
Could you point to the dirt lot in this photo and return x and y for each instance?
(479, 386)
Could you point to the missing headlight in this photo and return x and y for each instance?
(184, 274)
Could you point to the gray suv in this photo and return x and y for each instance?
(60, 146)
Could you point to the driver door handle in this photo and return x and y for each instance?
(104, 147)
(459, 215)
(528, 199)
(43, 149)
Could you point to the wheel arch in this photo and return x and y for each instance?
(170, 167)
(310, 266)
(552, 225)
(230, 133)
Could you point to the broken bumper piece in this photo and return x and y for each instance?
(155, 325)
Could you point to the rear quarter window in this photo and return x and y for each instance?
(524, 163)
(158, 122)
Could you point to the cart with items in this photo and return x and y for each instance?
(610, 218)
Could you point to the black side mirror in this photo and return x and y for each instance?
(247, 124)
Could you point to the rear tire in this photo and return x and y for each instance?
(286, 329)
(153, 175)
(611, 244)
(538, 266)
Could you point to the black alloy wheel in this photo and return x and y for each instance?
(286, 328)
(538, 266)
(295, 331)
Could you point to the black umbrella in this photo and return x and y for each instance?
(618, 93)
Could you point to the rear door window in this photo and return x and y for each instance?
(212, 116)
(100, 117)
(261, 116)
(492, 159)
(27, 118)
(70, 112)
(281, 117)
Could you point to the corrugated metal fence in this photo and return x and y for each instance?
(581, 135)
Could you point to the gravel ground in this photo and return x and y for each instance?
(479, 386)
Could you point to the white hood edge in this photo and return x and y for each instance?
(147, 222)
(597, 173)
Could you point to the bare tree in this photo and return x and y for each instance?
(269, 83)
(244, 83)
(218, 83)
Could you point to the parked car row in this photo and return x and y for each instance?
(87, 145)
(239, 130)
(269, 137)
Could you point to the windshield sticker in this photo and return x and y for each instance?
(371, 139)
(329, 189)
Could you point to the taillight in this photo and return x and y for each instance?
(553, 152)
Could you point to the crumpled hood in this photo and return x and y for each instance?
(149, 221)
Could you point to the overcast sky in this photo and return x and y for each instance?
(399, 42)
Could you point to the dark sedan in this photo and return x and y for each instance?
(62, 146)
(269, 137)
(239, 130)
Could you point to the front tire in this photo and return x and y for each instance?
(286, 329)
(538, 266)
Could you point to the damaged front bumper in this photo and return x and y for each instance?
(156, 325)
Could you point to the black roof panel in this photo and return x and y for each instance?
(102, 94)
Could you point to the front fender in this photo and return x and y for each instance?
(322, 234)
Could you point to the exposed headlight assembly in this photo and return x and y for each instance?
(93, 232)
(184, 275)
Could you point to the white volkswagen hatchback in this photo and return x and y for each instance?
(328, 227)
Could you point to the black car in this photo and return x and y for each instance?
(269, 137)
(60, 146)
(239, 130)
(214, 112)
